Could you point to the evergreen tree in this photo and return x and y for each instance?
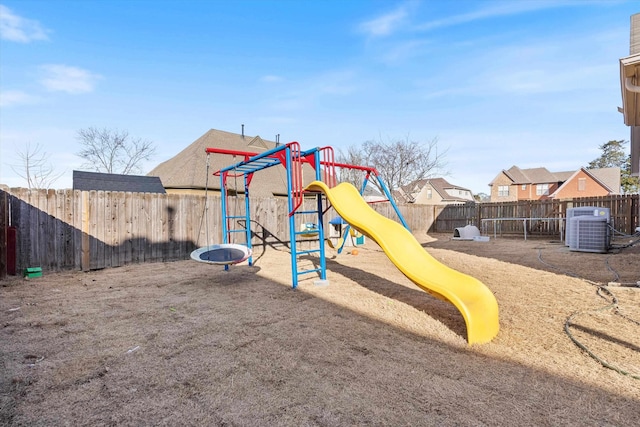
(614, 155)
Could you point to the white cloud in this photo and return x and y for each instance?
(63, 78)
(493, 10)
(18, 29)
(9, 98)
(385, 24)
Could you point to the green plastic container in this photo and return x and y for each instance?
(30, 272)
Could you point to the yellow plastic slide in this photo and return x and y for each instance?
(471, 297)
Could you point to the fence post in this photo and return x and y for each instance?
(85, 241)
(4, 224)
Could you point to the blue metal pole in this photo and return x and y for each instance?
(247, 216)
(364, 184)
(393, 203)
(323, 260)
(223, 200)
(388, 196)
(292, 220)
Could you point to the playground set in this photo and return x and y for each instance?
(471, 297)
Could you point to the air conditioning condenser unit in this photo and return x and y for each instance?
(589, 234)
(595, 211)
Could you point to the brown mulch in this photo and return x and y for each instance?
(186, 343)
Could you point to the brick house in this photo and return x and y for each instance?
(434, 191)
(539, 184)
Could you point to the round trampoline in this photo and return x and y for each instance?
(223, 254)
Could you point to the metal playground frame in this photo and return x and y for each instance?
(292, 159)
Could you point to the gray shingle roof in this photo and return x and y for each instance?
(441, 185)
(531, 176)
(609, 177)
(516, 175)
(188, 168)
(563, 176)
(87, 181)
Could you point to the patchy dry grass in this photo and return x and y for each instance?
(190, 344)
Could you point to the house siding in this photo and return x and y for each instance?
(500, 180)
(523, 194)
(423, 199)
(533, 196)
(436, 198)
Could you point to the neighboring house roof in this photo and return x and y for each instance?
(443, 187)
(440, 185)
(563, 176)
(608, 178)
(532, 176)
(87, 181)
(188, 168)
(398, 195)
(405, 191)
(516, 175)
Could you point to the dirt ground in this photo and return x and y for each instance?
(187, 343)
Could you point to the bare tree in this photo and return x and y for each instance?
(35, 169)
(398, 162)
(113, 151)
(353, 156)
(482, 197)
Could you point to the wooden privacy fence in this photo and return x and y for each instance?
(87, 230)
(624, 211)
(71, 229)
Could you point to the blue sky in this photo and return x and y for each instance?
(498, 83)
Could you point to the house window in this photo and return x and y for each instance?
(582, 184)
(503, 190)
(429, 195)
(542, 189)
(524, 186)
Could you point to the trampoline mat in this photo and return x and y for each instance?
(223, 255)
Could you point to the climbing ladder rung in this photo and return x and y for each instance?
(237, 217)
(237, 231)
(309, 271)
(313, 251)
